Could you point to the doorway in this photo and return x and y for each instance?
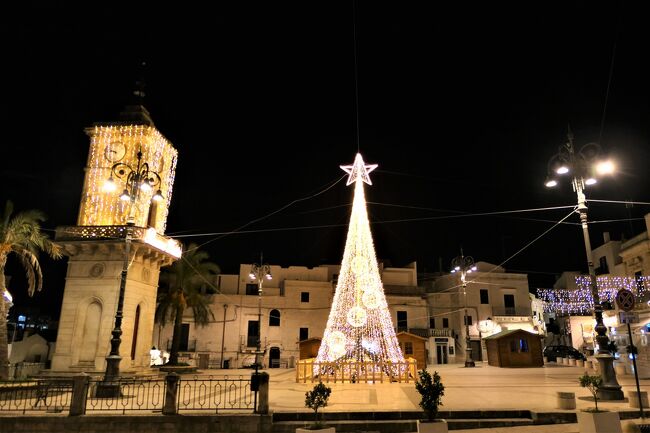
(441, 353)
(274, 357)
(185, 337)
(477, 353)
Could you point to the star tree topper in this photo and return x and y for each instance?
(358, 169)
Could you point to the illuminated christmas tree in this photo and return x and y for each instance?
(359, 327)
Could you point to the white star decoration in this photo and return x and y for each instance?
(359, 169)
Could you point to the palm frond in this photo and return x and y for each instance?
(181, 285)
(33, 271)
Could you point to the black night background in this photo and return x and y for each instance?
(461, 104)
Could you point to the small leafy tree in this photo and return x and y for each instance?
(315, 399)
(431, 390)
(592, 383)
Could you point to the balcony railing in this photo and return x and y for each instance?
(142, 234)
(188, 346)
(512, 311)
(429, 332)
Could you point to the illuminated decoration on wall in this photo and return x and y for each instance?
(120, 143)
(580, 302)
(359, 327)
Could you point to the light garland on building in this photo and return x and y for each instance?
(579, 301)
(112, 143)
(359, 327)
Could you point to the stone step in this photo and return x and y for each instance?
(402, 415)
(400, 426)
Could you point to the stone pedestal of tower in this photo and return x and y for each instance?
(96, 256)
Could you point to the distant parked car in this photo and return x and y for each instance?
(554, 352)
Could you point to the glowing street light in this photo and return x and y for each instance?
(584, 165)
(465, 265)
(259, 272)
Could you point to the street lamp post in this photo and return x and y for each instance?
(137, 179)
(584, 166)
(465, 265)
(258, 273)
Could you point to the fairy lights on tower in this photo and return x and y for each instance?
(359, 327)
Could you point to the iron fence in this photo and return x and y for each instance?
(215, 393)
(48, 395)
(134, 395)
(198, 393)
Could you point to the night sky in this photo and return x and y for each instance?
(461, 106)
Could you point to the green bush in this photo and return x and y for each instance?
(315, 399)
(431, 390)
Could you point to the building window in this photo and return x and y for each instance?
(304, 334)
(274, 318)
(253, 333)
(252, 289)
(603, 268)
(304, 296)
(468, 320)
(451, 350)
(509, 303)
(485, 298)
(408, 348)
(523, 345)
(432, 322)
(136, 326)
(445, 322)
(402, 322)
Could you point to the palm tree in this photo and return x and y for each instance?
(182, 288)
(21, 235)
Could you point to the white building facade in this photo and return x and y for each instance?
(294, 306)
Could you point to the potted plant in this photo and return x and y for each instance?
(596, 420)
(315, 399)
(431, 390)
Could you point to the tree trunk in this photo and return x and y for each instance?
(176, 338)
(4, 349)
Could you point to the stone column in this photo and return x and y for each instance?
(79, 394)
(263, 401)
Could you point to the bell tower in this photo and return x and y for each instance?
(116, 249)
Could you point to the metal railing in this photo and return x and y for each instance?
(35, 395)
(135, 395)
(171, 393)
(189, 346)
(512, 311)
(23, 370)
(216, 394)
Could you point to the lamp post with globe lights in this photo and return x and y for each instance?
(465, 265)
(584, 166)
(259, 272)
(137, 179)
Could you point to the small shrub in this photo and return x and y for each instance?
(431, 389)
(315, 399)
(592, 383)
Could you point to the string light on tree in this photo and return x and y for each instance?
(359, 327)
